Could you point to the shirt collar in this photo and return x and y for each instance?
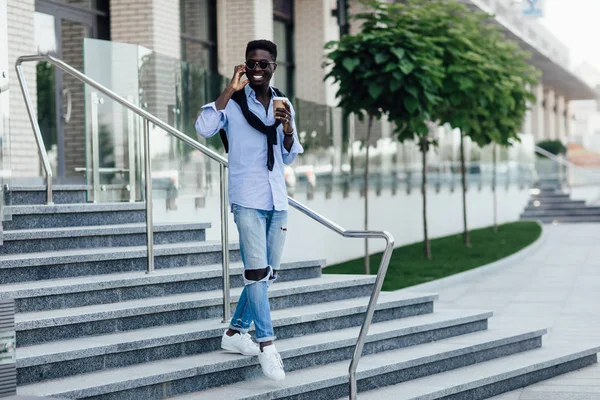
(251, 93)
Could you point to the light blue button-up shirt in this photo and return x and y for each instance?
(251, 184)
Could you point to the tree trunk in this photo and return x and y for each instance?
(494, 190)
(426, 245)
(463, 174)
(367, 263)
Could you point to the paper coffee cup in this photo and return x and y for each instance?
(278, 102)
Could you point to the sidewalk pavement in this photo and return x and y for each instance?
(556, 287)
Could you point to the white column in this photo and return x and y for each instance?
(4, 97)
(569, 122)
(240, 21)
(560, 119)
(527, 127)
(150, 23)
(549, 115)
(537, 113)
(311, 19)
(3, 37)
(21, 41)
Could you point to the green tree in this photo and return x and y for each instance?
(388, 69)
(429, 63)
(484, 91)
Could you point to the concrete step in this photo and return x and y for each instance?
(64, 215)
(562, 213)
(83, 356)
(16, 268)
(84, 237)
(61, 194)
(553, 188)
(557, 204)
(563, 219)
(563, 198)
(491, 378)
(386, 368)
(550, 196)
(47, 326)
(110, 288)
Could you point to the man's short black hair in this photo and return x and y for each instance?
(262, 45)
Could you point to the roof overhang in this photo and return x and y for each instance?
(560, 79)
(554, 74)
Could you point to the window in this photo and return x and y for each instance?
(283, 35)
(199, 33)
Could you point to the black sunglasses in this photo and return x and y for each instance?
(263, 64)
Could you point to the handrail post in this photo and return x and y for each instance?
(225, 244)
(131, 151)
(49, 189)
(148, 181)
(383, 266)
(94, 100)
(36, 131)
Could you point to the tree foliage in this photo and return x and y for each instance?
(555, 147)
(387, 69)
(433, 61)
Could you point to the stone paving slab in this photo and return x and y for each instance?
(557, 287)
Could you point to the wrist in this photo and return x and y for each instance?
(229, 90)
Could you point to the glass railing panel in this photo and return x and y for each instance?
(112, 133)
(185, 182)
(334, 160)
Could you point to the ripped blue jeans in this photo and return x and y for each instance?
(262, 236)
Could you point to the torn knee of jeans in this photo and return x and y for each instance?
(284, 228)
(257, 275)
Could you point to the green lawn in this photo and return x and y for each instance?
(409, 267)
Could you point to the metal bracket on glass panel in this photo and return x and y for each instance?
(3, 82)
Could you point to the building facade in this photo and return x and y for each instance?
(211, 35)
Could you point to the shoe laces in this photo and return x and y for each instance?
(276, 362)
(247, 339)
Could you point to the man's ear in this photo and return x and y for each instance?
(274, 67)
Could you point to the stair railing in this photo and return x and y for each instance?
(564, 162)
(149, 118)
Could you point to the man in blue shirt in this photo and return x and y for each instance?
(260, 140)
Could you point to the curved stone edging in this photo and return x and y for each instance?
(484, 269)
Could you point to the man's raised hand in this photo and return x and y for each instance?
(236, 82)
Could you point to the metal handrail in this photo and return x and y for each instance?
(36, 131)
(562, 161)
(389, 239)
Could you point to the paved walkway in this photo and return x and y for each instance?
(557, 287)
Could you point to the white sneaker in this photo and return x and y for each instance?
(271, 363)
(240, 343)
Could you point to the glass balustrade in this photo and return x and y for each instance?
(185, 182)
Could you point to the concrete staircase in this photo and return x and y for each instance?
(91, 324)
(551, 205)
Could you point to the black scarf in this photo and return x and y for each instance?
(270, 130)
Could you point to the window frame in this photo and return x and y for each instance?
(288, 20)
